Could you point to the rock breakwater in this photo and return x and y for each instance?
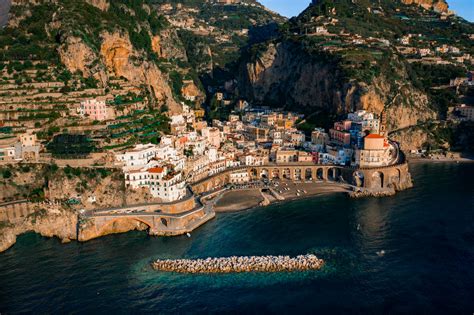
(236, 264)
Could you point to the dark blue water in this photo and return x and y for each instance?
(428, 267)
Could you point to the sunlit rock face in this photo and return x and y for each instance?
(4, 11)
(439, 6)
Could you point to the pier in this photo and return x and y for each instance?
(237, 264)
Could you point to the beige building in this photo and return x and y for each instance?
(286, 156)
(305, 157)
(257, 134)
(7, 153)
(374, 142)
(28, 148)
(212, 135)
(376, 152)
(239, 177)
(319, 137)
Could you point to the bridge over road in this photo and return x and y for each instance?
(159, 219)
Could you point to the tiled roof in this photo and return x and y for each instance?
(374, 136)
(157, 170)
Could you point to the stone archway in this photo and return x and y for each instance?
(124, 224)
(334, 174)
(377, 180)
(298, 174)
(265, 174)
(253, 173)
(286, 174)
(320, 174)
(308, 174)
(275, 173)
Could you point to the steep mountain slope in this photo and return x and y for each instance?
(94, 40)
(339, 56)
(135, 40)
(214, 34)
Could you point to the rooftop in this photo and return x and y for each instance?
(156, 170)
(374, 136)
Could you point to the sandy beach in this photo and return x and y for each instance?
(236, 200)
(242, 199)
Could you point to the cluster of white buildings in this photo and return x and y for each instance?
(259, 137)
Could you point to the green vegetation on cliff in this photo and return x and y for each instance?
(35, 36)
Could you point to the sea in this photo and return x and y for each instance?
(408, 254)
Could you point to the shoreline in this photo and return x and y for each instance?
(252, 196)
(443, 160)
(287, 191)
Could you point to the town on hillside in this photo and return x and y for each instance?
(194, 150)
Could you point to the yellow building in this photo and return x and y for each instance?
(199, 113)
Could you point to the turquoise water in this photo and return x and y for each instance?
(427, 234)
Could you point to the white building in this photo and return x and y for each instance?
(139, 156)
(367, 120)
(163, 182)
(7, 153)
(239, 177)
(321, 30)
(376, 152)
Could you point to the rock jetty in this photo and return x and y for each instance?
(240, 264)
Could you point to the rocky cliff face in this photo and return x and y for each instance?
(94, 191)
(88, 230)
(77, 56)
(168, 45)
(47, 221)
(121, 60)
(100, 4)
(437, 5)
(283, 74)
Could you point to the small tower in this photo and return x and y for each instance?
(383, 124)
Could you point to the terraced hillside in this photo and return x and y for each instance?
(143, 57)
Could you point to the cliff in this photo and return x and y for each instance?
(437, 5)
(88, 230)
(122, 60)
(68, 190)
(100, 42)
(284, 74)
(49, 221)
(102, 5)
(341, 56)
